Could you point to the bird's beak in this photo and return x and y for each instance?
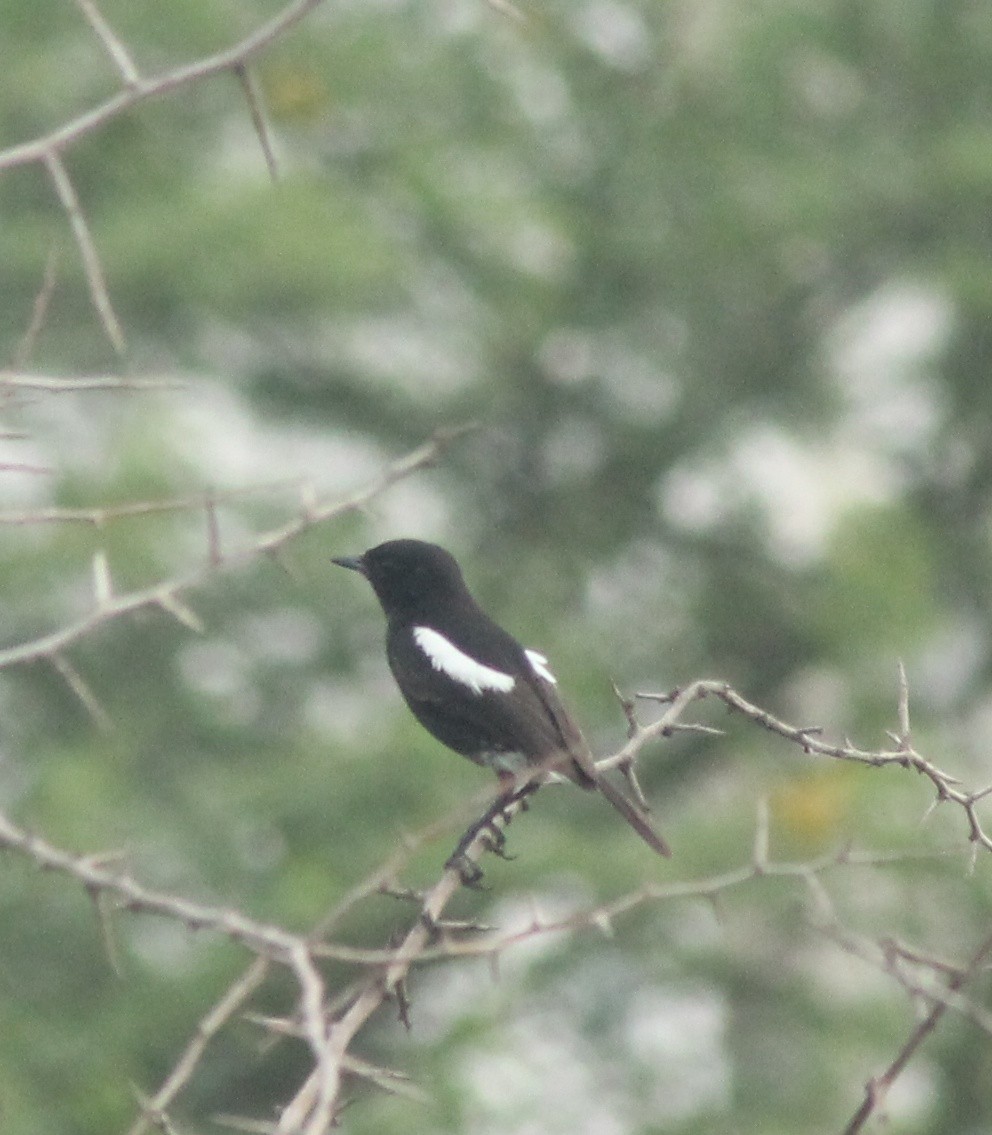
(355, 563)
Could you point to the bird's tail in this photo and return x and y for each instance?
(634, 816)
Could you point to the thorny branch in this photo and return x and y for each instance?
(878, 1087)
(903, 754)
(139, 89)
(49, 149)
(166, 594)
(329, 1021)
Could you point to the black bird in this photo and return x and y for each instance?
(472, 685)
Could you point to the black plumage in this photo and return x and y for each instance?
(471, 684)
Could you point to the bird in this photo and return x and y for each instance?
(473, 686)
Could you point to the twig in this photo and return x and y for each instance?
(268, 941)
(890, 959)
(236, 995)
(878, 1087)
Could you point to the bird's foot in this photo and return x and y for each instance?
(495, 837)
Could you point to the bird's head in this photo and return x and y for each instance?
(409, 576)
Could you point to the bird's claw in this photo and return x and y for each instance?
(469, 872)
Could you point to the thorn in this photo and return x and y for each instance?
(213, 532)
(92, 268)
(102, 585)
(308, 499)
(173, 605)
(74, 680)
(602, 921)
(407, 894)
(39, 310)
(761, 837)
(694, 727)
(630, 775)
(903, 705)
(403, 1004)
(280, 1026)
(662, 699)
(254, 98)
(101, 904)
(628, 705)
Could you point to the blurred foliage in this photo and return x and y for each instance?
(714, 279)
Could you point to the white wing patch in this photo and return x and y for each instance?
(540, 666)
(447, 658)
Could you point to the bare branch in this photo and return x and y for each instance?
(305, 1112)
(918, 977)
(290, 950)
(214, 553)
(90, 871)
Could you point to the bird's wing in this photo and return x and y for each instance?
(496, 702)
(468, 706)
